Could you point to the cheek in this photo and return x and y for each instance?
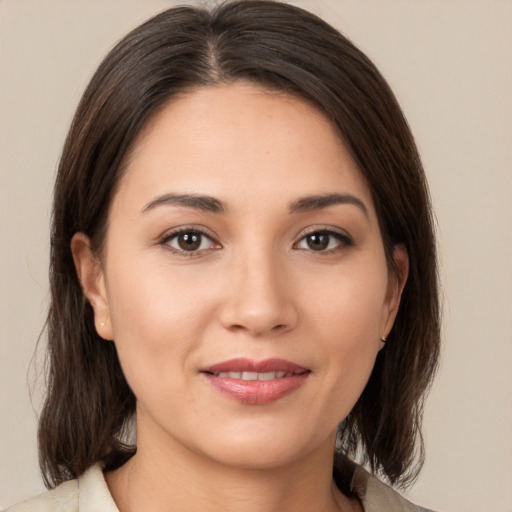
(345, 315)
(348, 335)
(349, 303)
(157, 319)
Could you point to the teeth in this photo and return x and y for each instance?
(268, 376)
(254, 375)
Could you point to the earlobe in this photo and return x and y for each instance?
(396, 283)
(90, 274)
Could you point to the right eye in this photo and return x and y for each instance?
(189, 241)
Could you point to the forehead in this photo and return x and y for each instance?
(240, 140)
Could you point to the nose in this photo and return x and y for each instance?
(260, 297)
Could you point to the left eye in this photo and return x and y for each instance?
(322, 241)
(190, 241)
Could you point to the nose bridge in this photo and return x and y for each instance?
(260, 300)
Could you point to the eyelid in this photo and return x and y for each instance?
(174, 232)
(344, 238)
(324, 229)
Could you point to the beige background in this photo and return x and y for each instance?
(450, 64)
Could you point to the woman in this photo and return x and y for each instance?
(243, 264)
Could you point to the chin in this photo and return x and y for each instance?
(262, 450)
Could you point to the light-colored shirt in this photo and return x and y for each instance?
(89, 493)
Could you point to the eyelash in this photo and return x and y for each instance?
(166, 240)
(343, 239)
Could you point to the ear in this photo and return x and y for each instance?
(91, 277)
(396, 283)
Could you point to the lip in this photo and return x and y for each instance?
(242, 364)
(255, 392)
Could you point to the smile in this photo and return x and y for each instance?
(256, 375)
(255, 383)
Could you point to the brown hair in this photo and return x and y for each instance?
(89, 403)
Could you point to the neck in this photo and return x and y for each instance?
(166, 476)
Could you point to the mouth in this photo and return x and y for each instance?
(250, 376)
(255, 382)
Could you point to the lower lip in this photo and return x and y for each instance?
(256, 392)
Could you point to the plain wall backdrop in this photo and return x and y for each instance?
(449, 63)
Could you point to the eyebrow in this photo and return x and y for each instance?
(310, 203)
(205, 203)
(213, 205)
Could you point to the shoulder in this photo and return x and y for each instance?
(63, 498)
(88, 493)
(379, 497)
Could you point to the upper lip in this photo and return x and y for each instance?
(248, 365)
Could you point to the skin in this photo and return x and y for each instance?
(254, 288)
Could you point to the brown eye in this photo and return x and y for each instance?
(323, 241)
(189, 241)
(318, 241)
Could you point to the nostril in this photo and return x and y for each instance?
(258, 309)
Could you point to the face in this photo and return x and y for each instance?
(243, 279)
